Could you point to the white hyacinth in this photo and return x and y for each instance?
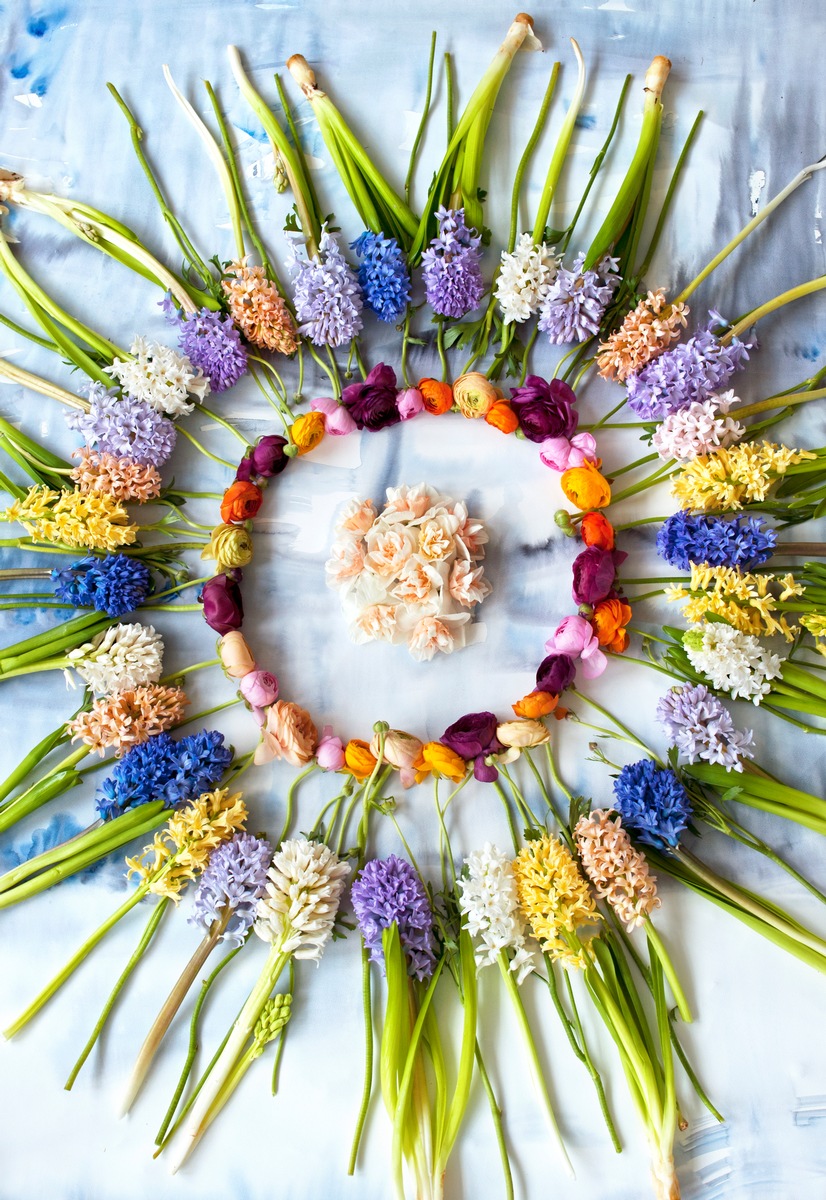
(121, 658)
(732, 661)
(490, 902)
(525, 278)
(700, 428)
(160, 376)
(306, 881)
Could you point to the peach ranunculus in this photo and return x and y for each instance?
(289, 733)
(388, 550)
(475, 394)
(502, 417)
(437, 396)
(345, 562)
(359, 759)
(357, 516)
(609, 621)
(586, 487)
(535, 704)
(596, 530)
(441, 760)
(377, 623)
(307, 431)
(466, 585)
(236, 657)
(241, 502)
(522, 734)
(401, 750)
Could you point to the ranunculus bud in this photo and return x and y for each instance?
(259, 688)
(223, 606)
(268, 457)
(555, 673)
(236, 657)
(409, 402)
(594, 571)
(597, 530)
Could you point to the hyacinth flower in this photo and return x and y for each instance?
(178, 854)
(152, 777)
(225, 905)
(649, 329)
(295, 918)
(117, 655)
(397, 925)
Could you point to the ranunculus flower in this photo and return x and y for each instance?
(597, 530)
(594, 571)
(230, 546)
(329, 752)
(259, 688)
(475, 394)
(522, 734)
(307, 431)
(409, 402)
(586, 487)
(502, 417)
(560, 454)
(288, 733)
(267, 458)
(358, 759)
(241, 502)
(372, 404)
(236, 657)
(609, 621)
(472, 735)
(437, 397)
(223, 606)
(401, 751)
(441, 760)
(337, 419)
(544, 410)
(535, 704)
(575, 636)
(555, 673)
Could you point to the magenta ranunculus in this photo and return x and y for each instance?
(267, 459)
(472, 735)
(223, 606)
(372, 404)
(555, 673)
(409, 402)
(259, 688)
(594, 572)
(337, 419)
(544, 410)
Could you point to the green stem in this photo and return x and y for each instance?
(527, 155)
(560, 150)
(657, 946)
(414, 153)
(795, 293)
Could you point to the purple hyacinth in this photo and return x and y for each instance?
(388, 890)
(451, 268)
(327, 296)
(687, 538)
(574, 306)
(124, 427)
(383, 275)
(701, 728)
(234, 878)
(115, 584)
(211, 341)
(652, 802)
(686, 373)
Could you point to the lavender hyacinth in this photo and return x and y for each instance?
(451, 268)
(687, 373)
(211, 341)
(701, 728)
(235, 877)
(687, 538)
(124, 427)
(383, 275)
(327, 296)
(576, 301)
(388, 890)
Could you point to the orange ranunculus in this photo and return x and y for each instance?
(597, 531)
(609, 621)
(585, 487)
(307, 431)
(502, 417)
(358, 759)
(535, 704)
(241, 501)
(437, 396)
(475, 394)
(441, 760)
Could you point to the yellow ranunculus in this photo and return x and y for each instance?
(230, 546)
(307, 431)
(358, 760)
(441, 760)
(586, 487)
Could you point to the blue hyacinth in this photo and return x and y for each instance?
(116, 584)
(652, 803)
(383, 275)
(164, 769)
(235, 877)
(687, 538)
(388, 890)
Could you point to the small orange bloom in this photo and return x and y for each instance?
(441, 760)
(358, 759)
(586, 487)
(535, 704)
(307, 431)
(502, 417)
(597, 530)
(609, 621)
(437, 396)
(241, 501)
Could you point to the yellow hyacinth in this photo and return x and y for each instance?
(89, 521)
(734, 475)
(555, 898)
(743, 600)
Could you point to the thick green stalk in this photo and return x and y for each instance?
(560, 150)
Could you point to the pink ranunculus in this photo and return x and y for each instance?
(593, 661)
(330, 751)
(571, 636)
(337, 419)
(259, 688)
(560, 453)
(409, 402)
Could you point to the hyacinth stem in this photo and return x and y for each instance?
(72, 634)
(160, 1026)
(496, 1114)
(795, 293)
(527, 155)
(226, 424)
(800, 178)
(656, 946)
(290, 802)
(149, 932)
(662, 474)
(417, 141)
(509, 814)
(367, 1086)
(642, 270)
(640, 462)
(35, 383)
(537, 1072)
(216, 1090)
(222, 462)
(560, 150)
(36, 755)
(58, 780)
